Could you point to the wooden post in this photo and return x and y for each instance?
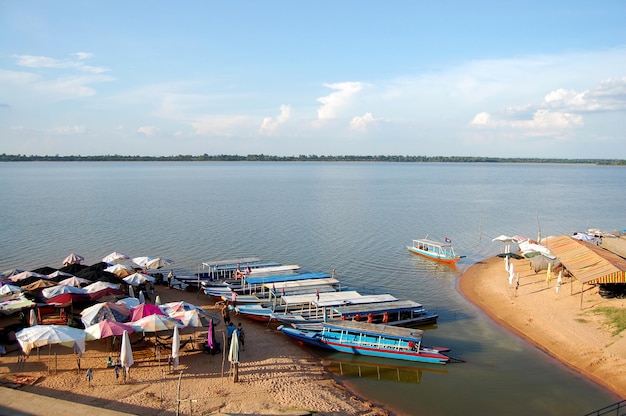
(236, 373)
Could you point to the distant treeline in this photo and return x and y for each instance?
(301, 158)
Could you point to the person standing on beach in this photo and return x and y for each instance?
(242, 337)
(225, 314)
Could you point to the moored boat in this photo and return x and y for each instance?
(374, 340)
(435, 250)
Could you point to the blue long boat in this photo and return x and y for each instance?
(374, 340)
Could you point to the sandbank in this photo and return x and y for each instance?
(559, 323)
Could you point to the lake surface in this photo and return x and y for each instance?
(356, 218)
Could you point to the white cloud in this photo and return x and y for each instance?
(31, 61)
(334, 103)
(83, 55)
(561, 109)
(609, 95)
(481, 119)
(69, 130)
(147, 130)
(269, 126)
(34, 88)
(221, 125)
(361, 124)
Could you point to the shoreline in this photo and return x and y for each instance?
(558, 323)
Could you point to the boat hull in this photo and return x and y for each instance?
(434, 256)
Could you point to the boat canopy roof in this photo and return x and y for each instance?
(426, 241)
(302, 283)
(383, 298)
(273, 269)
(331, 298)
(377, 307)
(259, 280)
(387, 331)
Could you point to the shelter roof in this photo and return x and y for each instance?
(587, 262)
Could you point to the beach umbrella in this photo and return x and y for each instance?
(72, 259)
(155, 323)
(50, 292)
(137, 279)
(40, 335)
(126, 353)
(74, 281)
(233, 352)
(210, 336)
(115, 257)
(175, 347)
(233, 355)
(157, 300)
(104, 311)
(120, 270)
(8, 273)
(25, 275)
(11, 306)
(59, 273)
(100, 285)
(10, 289)
(106, 328)
(38, 285)
(152, 263)
(32, 318)
(128, 302)
(144, 309)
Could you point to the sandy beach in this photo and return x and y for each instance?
(556, 322)
(276, 376)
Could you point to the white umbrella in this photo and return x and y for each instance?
(60, 273)
(152, 262)
(53, 291)
(157, 300)
(73, 259)
(129, 302)
(126, 353)
(114, 257)
(100, 285)
(175, 347)
(40, 335)
(505, 239)
(74, 281)
(26, 275)
(137, 279)
(233, 352)
(10, 289)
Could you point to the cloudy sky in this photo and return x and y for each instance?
(452, 78)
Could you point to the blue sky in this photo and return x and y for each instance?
(482, 78)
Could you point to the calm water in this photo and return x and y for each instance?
(356, 218)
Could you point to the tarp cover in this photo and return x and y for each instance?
(587, 262)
